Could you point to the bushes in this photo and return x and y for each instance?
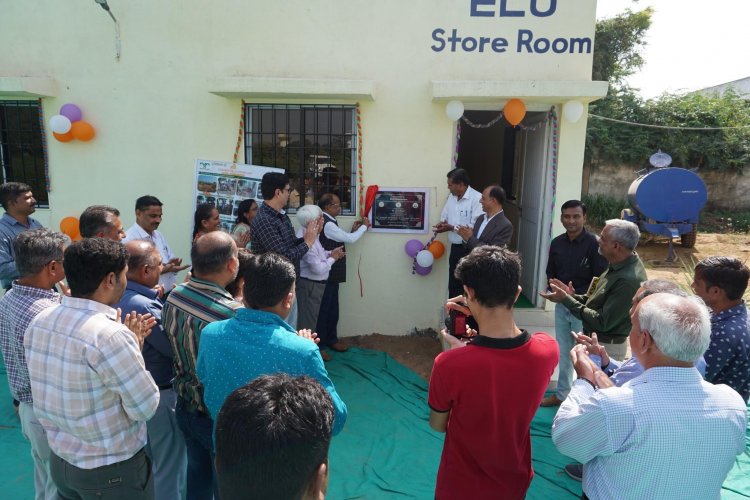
(602, 208)
(726, 149)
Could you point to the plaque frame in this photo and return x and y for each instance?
(424, 226)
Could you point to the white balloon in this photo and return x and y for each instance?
(454, 110)
(572, 111)
(60, 124)
(425, 258)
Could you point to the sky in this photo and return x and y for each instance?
(692, 44)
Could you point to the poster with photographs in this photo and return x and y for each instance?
(224, 185)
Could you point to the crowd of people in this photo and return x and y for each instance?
(126, 405)
(131, 385)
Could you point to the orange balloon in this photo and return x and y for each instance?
(514, 111)
(437, 249)
(66, 137)
(69, 226)
(81, 130)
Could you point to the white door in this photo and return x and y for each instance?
(534, 219)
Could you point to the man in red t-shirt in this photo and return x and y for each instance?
(483, 394)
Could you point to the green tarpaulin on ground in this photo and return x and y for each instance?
(386, 450)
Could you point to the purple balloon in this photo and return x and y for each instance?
(413, 247)
(71, 112)
(422, 271)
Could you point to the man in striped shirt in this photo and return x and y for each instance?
(189, 308)
(91, 390)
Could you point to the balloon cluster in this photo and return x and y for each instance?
(70, 227)
(68, 125)
(424, 255)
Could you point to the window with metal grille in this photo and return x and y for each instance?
(21, 147)
(315, 144)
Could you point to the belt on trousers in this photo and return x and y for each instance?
(164, 387)
(322, 282)
(612, 339)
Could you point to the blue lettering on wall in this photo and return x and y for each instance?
(527, 43)
(475, 12)
(505, 11)
(456, 43)
(538, 13)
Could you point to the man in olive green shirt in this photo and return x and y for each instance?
(605, 308)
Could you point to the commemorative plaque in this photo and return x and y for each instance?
(401, 210)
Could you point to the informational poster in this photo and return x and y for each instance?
(224, 185)
(401, 210)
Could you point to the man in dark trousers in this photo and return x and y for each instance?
(332, 237)
(573, 258)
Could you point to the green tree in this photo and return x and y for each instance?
(617, 45)
(616, 56)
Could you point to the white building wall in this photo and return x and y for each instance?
(155, 113)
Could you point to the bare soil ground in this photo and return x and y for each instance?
(418, 351)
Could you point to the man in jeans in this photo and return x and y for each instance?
(91, 390)
(189, 308)
(574, 259)
(605, 309)
(39, 263)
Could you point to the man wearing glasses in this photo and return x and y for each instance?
(273, 231)
(605, 307)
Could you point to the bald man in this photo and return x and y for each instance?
(189, 308)
(165, 439)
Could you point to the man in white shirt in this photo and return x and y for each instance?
(148, 216)
(332, 237)
(461, 210)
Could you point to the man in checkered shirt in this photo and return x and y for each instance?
(92, 393)
(39, 263)
(665, 434)
(272, 231)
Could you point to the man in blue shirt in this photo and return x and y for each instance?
(635, 439)
(19, 203)
(721, 282)
(257, 341)
(165, 440)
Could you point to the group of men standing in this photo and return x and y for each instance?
(640, 425)
(121, 411)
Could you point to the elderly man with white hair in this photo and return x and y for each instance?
(665, 434)
(314, 268)
(604, 309)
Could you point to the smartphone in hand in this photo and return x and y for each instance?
(457, 324)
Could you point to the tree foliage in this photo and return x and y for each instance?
(617, 45)
(616, 56)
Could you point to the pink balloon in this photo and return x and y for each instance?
(72, 112)
(422, 271)
(413, 247)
